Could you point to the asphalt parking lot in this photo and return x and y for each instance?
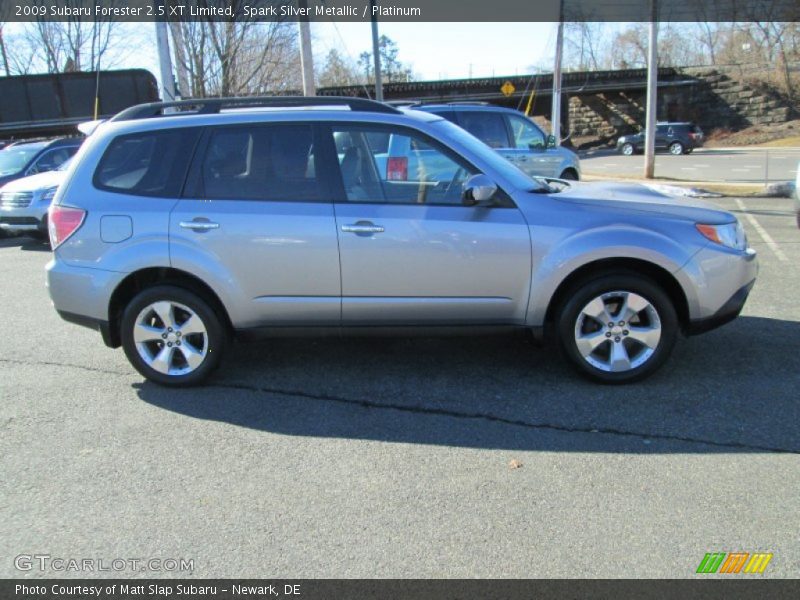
(390, 458)
(731, 165)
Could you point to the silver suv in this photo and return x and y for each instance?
(175, 232)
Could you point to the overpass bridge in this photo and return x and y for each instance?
(496, 90)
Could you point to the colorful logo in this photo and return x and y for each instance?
(734, 562)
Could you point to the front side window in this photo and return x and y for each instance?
(263, 162)
(52, 159)
(412, 169)
(527, 136)
(151, 163)
(488, 127)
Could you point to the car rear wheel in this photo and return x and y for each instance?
(172, 336)
(627, 149)
(676, 148)
(617, 328)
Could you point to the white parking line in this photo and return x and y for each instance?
(741, 170)
(763, 233)
(688, 168)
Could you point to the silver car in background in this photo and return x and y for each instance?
(174, 233)
(24, 202)
(514, 136)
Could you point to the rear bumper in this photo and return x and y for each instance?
(727, 313)
(80, 294)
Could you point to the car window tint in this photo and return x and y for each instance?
(412, 170)
(151, 163)
(488, 127)
(265, 162)
(526, 134)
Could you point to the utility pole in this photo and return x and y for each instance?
(556, 110)
(376, 54)
(185, 88)
(164, 61)
(306, 57)
(652, 95)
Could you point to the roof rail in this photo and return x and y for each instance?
(399, 103)
(205, 106)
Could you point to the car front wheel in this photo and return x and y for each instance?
(617, 328)
(172, 336)
(627, 149)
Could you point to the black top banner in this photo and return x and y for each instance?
(401, 10)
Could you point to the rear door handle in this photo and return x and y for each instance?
(198, 225)
(363, 228)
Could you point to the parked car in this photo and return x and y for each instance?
(175, 232)
(513, 135)
(675, 138)
(21, 159)
(24, 202)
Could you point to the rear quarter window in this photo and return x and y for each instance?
(151, 163)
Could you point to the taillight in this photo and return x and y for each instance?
(397, 168)
(62, 222)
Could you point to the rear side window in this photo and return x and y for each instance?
(152, 163)
(264, 162)
(488, 127)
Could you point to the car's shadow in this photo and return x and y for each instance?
(731, 390)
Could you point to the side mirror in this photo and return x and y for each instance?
(551, 141)
(478, 189)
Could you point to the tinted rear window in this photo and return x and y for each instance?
(151, 163)
(488, 127)
(264, 162)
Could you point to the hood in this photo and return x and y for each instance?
(36, 182)
(640, 198)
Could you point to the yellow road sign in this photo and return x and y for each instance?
(507, 88)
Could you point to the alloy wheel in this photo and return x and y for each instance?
(617, 331)
(170, 338)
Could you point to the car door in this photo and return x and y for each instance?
(531, 142)
(662, 137)
(411, 252)
(257, 218)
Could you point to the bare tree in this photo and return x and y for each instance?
(223, 58)
(338, 71)
(585, 46)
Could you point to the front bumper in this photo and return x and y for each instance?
(727, 313)
(27, 218)
(722, 280)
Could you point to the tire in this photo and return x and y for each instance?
(157, 319)
(623, 356)
(628, 149)
(676, 148)
(688, 151)
(569, 175)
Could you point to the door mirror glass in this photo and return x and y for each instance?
(478, 189)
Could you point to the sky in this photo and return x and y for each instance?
(447, 50)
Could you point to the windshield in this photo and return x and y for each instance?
(499, 164)
(13, 160)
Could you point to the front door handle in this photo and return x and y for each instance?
(363, 228)
(198, 225)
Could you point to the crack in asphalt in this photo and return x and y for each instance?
(424, 410)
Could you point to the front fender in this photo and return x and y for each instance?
(553, 264)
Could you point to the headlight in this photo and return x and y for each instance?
(47, 195)
(730, 234)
